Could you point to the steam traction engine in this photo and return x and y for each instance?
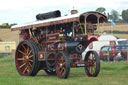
(54, 44)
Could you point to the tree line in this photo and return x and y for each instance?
(114, 15)
(6, 25)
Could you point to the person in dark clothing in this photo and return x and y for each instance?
(118, 57)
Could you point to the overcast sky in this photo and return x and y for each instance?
(22, 11)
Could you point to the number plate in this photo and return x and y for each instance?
(105, 53)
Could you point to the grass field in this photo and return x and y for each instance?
(110, 74)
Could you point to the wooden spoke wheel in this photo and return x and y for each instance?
(26, 58)
(92, 64)
(62, 65)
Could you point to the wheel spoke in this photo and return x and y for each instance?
(29, 68)
(25, 69)
(24, 47)
(61, 67)
(29, 52)
(31, 60)
(62, 71)
(22, 52)
(22, 65)
(20, 59)
(91, 64)
(30, 56)
(30, 64)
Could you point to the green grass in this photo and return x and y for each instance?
(110, 74)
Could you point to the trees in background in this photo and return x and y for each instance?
(101, 10)
(125, 15)
(6, 25)
(114, 15)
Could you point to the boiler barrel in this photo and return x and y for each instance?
(48, 15)
(75, 47)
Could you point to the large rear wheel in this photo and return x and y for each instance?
(92, 64)
(62, 65)
(26, 58)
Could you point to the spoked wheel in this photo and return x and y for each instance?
(62, 65)
(50, 72)
(92, 64)
(26, 58)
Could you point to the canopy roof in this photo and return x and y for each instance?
(90, 16)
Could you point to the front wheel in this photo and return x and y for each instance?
(92, 64)
(62, 65)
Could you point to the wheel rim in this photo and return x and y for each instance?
(24, 59)
(60, 65)
(91, 64)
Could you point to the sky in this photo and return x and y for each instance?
(22, 11)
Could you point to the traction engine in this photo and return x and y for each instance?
(54, 44)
